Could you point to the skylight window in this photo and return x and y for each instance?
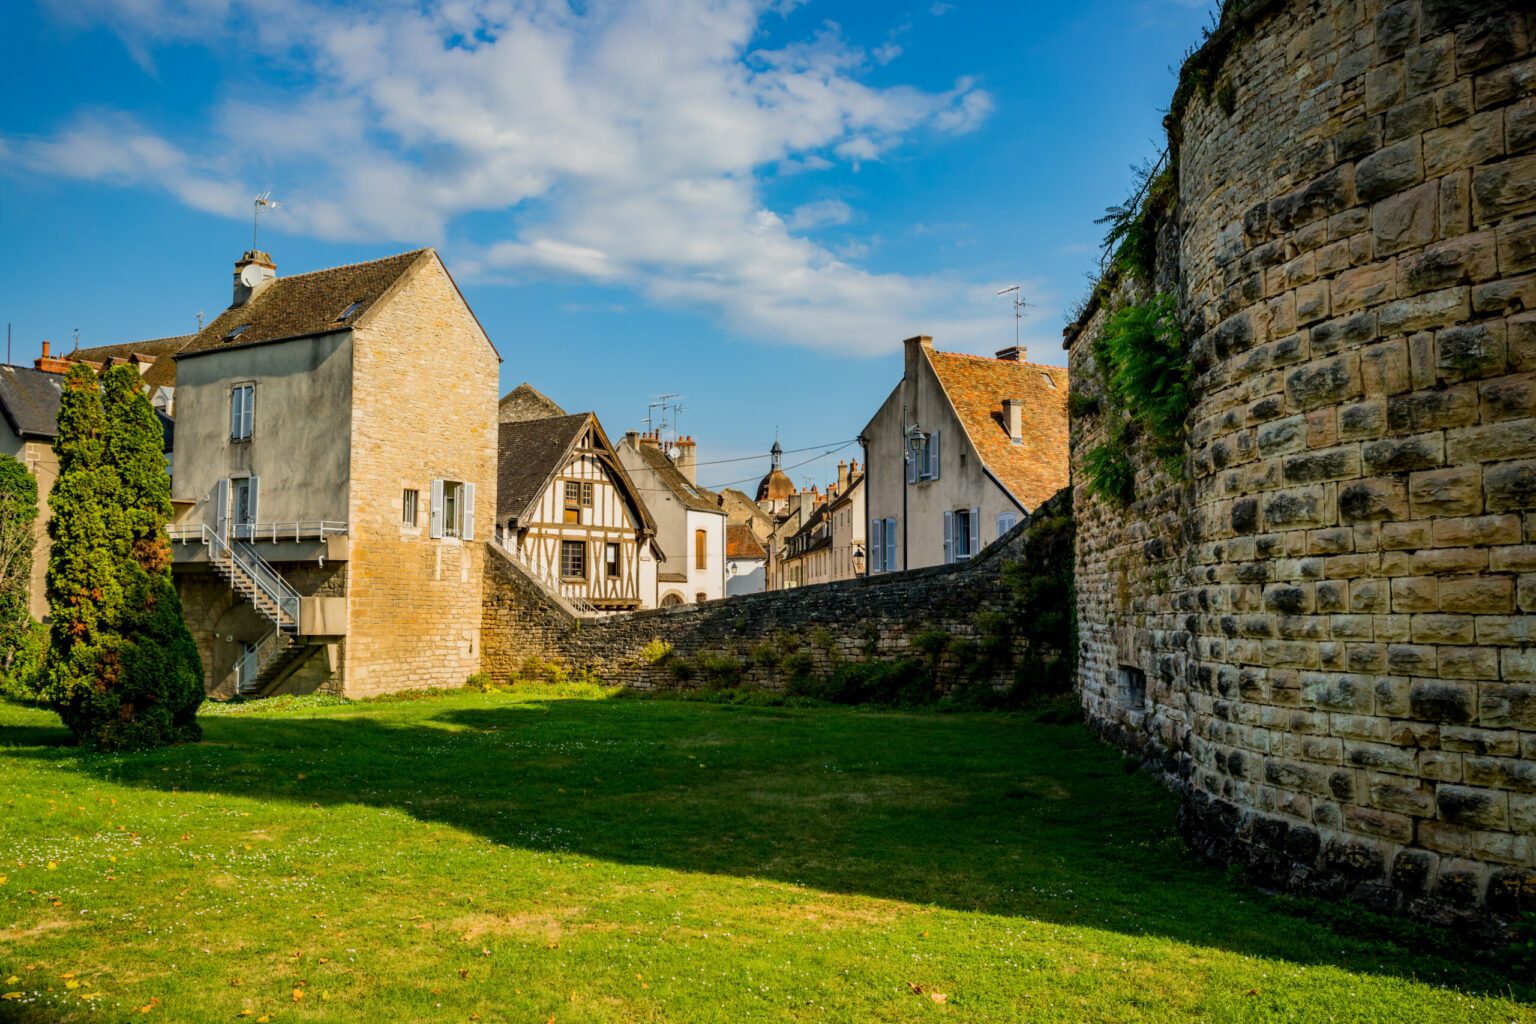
(1048, 379)
(350, 310)
(232, 335)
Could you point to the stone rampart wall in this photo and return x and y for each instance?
(1322, 632)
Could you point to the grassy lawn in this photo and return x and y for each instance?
(517, 857)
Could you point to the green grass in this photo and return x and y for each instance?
(536, 856)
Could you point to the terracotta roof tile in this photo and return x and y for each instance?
(741, 542)
(160, 373)
(1035, 469)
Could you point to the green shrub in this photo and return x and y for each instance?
(682, 669)
(18, 513)
(796, 666)
(655, 651)
(902, 682)
(718, 669)
(1107, 470)
(931, 643)
(1146, 370)
(24, 676)
(480, 681)
(766, 654)
(1079, 404)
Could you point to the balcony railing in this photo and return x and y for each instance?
(258, 533)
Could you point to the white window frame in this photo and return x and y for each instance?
(1006, 521)
(460, 524)
(410, 508)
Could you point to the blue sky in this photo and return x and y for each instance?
(745, 202)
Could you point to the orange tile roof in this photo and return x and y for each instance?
(976, 386)
(741, 542)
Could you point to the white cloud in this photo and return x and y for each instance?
(622, 140)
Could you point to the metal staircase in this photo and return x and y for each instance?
(267, 661)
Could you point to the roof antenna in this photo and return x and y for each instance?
(263, 201)
(1019, 306)
(77, 339)
(199, 321)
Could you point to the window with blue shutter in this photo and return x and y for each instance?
(890, 545)
(877, 545)
(949, 537)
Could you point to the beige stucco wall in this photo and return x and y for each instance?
(299, 444)
(424, 408)
(962, 484)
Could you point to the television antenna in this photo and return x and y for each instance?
(199, 315)
(1019, 305)
(261, 202)
(669, 411)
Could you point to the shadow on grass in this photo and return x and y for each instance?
(982, 813)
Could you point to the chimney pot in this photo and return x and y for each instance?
(1014, 354)
(253, 271)
(45, 348)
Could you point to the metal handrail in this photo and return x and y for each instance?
(248, 667)
(261, 575)
(273, 532)
(557, 586)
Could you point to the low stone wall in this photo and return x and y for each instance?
(823, 626)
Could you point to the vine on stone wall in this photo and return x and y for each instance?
(1147, 393)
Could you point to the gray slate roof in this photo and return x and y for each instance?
(29, 400)
(700, 499)
(529, 452)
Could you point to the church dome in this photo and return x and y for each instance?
(776, 486)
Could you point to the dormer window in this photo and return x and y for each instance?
(350, 310)
(232, 335)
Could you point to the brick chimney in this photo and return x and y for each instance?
(50, 364)
(1014, 354)
(253, 272)
(650, 439)
(687, 459)
(842, 475)
(1013, 419)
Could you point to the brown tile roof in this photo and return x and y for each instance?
(700, 499)
(976, 386)
(305, 304)
(525, 402)
(741, 542)
(531, 452)
(160, 373)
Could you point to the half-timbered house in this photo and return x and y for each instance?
(572, 517)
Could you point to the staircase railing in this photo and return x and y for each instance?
(256, 579)
(545, 576)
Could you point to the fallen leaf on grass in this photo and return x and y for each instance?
(154, 1001)
(12, 995)
(938, 997)
(463, 972)
(13, 979)
(298, 995)
(1251, 992)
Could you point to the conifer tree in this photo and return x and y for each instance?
(124, 672)
(18, 512)
(84, 592)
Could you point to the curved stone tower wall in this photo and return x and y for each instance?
(1326, 631)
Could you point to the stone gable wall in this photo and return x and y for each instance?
(1332, 609)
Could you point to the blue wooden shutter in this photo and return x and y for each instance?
(469, 512)
(973, 542)
(254, 484)
(877, 545)
(248, 411)
(912, 453)
(933, 456)
(890, 545)
(221, 508)
(949, 537)
(436, 529)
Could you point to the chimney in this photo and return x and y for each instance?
(686, 459)
(253, 272)
(1014, 354)
(649, 439)
(632, 438)
(842, 476)
(922, 341)
(1013, 419)
(50, 363)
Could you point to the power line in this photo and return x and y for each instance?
(792, 451)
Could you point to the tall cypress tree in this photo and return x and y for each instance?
(124, 671)
(84, 591)
(18, 513)
(162, 673)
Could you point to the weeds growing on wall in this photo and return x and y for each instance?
(1147, 393)
(1130, 242)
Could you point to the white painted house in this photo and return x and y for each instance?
(690, 520)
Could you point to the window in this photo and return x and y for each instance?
(453, 509)
(242, 402)
(578, 494)
(961, 534)
(700, 549)
(1132, 686)
(882, 545)
(408, 501)
(1006, 521)
(700, 597)
(350, 310)
(573, 559)
(923, 457)
(611, 560)
(232, 335)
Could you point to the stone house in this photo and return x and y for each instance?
(336, 448)
(959, 450)
(569, 513)
(847, 511)
(690, 522)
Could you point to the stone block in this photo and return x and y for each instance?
(1429, 65)
(1448, 560)
(1482, 42)
(1456, 491)
(1514, 558)
(1505, 773)
(1368, 821)
(1372, 500)
(1280, 436)
(1476, 140)
(1522, 813)
(1352, 290)
(1510, 486)
(1431, 309)
(1506, 629)
(1432, 409)
(1384, 367)
(1323, 382)
(1520, 126)
(1517, 665)
(1506, 83)
(1456, 203)
(1521, 338)
(1512, 891)
(1328, 464)
(1297, 507)
(1475, 808)
(1369, 596)
(1474, 595)
(1472, 350)
(1511, 397)
(1389, 170)
(1477, 531)
(1469, 663)
(1407, 536)
(1415, 594)
(1504, 189)
(1406, 220)
(1383, 87)
(1327, 194)
(1434, 700)
(1404, 454)
(1390, 628)
(1396, 28)
(1440, 766)
(1516, 246)
(1464, 259)
(1473, 739)
(1365, 419)
(1365, 657)
(1443, 629)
